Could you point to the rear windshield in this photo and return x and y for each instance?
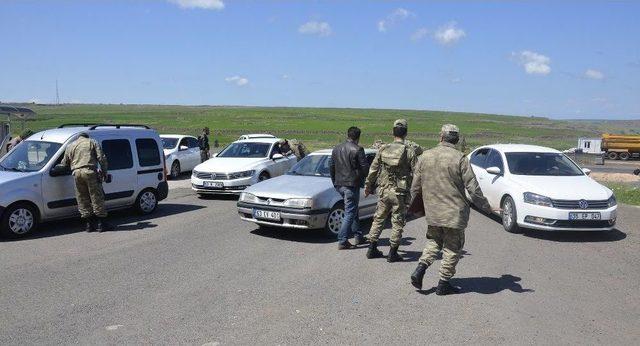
(545, 164)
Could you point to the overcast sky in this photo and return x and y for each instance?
(561, 59)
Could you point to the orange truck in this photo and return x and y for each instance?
(621, 147)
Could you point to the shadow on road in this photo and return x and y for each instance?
(486, 285)
(221, 197)
(303, 236)
(125, 220)
(577, 236)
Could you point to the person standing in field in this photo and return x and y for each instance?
(348, 168)
(441, 177)
(203, 142)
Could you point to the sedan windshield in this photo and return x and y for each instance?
(246, 149)
(552, 164)
(29, 156)
(312, 165)
(169, 143)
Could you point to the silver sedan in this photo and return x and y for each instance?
(303, 198)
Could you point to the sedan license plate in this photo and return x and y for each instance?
(584, 216)
(267, 215)
(213, 184)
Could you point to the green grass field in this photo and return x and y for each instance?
(625, 193)
(324, 127)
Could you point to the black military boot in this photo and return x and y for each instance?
(393, 255)
(418, 275)
(103, 226)
(88, 224)
(444, 288)
(373, 251)
(359, 240)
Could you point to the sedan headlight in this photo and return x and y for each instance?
(533, 198)
(299, 203)
(194, 173)
(243, 174)
(248, 197)
(612, 201)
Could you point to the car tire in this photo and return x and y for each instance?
(624, 156)
(147, 202)
(263, 176)
(510, 216)
(174, 173)
(19, 220)
(334, 220)
(612, 155)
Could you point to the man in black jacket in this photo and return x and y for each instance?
(348, 170)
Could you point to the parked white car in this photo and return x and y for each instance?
(33, 189)
(239, 165)
(541, 188)
(256, 135)
(182, 153)
(303, 199)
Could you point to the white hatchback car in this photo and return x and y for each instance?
(541, 188)
(239, 165)
(182, 153)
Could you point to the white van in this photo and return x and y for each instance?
(33, 191)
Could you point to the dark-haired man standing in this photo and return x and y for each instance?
(348, 169)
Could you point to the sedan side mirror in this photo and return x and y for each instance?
(494, 170)
(277, 156)
(183, 148)
(586, 171)
(59, 170)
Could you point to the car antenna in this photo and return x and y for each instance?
(43, 132)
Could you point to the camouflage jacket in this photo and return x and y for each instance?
(391, 168)
(298, 149)
(415, 146)
(442, 175)
(84, 153)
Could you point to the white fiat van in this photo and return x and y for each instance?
(34, 190)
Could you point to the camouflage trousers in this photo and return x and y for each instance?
(389, 203)
(89, 193)
(448, 240)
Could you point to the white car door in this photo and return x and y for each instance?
(478, 160)
(494, 185)
(193, 152)
(121, 189)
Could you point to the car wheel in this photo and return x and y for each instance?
(612, 155)
(334, 220)
(19, 220)
(263, 176)
(510, 216)
(175, 170)
(147, 202)
(624, 156)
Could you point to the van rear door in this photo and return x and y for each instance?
(150, 169)
(121, 190)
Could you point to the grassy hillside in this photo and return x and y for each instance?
(323, 127)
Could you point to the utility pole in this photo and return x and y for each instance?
(57, 94)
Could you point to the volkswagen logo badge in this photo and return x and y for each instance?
(269, 201)
(583, 204)
(213, 175)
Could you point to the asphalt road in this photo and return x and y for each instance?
(195, 274)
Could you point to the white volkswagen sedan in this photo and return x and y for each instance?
(182, 153)
(239, 165)
(541, 188)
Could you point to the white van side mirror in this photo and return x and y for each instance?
(586, 171)
(494, 170)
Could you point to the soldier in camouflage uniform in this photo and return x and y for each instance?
(377, 144)
(441, 176)
(293, 146)
(82, 157)
(391, 171)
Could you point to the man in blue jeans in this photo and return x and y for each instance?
(348, 169)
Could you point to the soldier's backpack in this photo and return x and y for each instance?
(392, 156)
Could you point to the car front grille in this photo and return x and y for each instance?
(582, 224)
(212, 176)
(571, 204)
